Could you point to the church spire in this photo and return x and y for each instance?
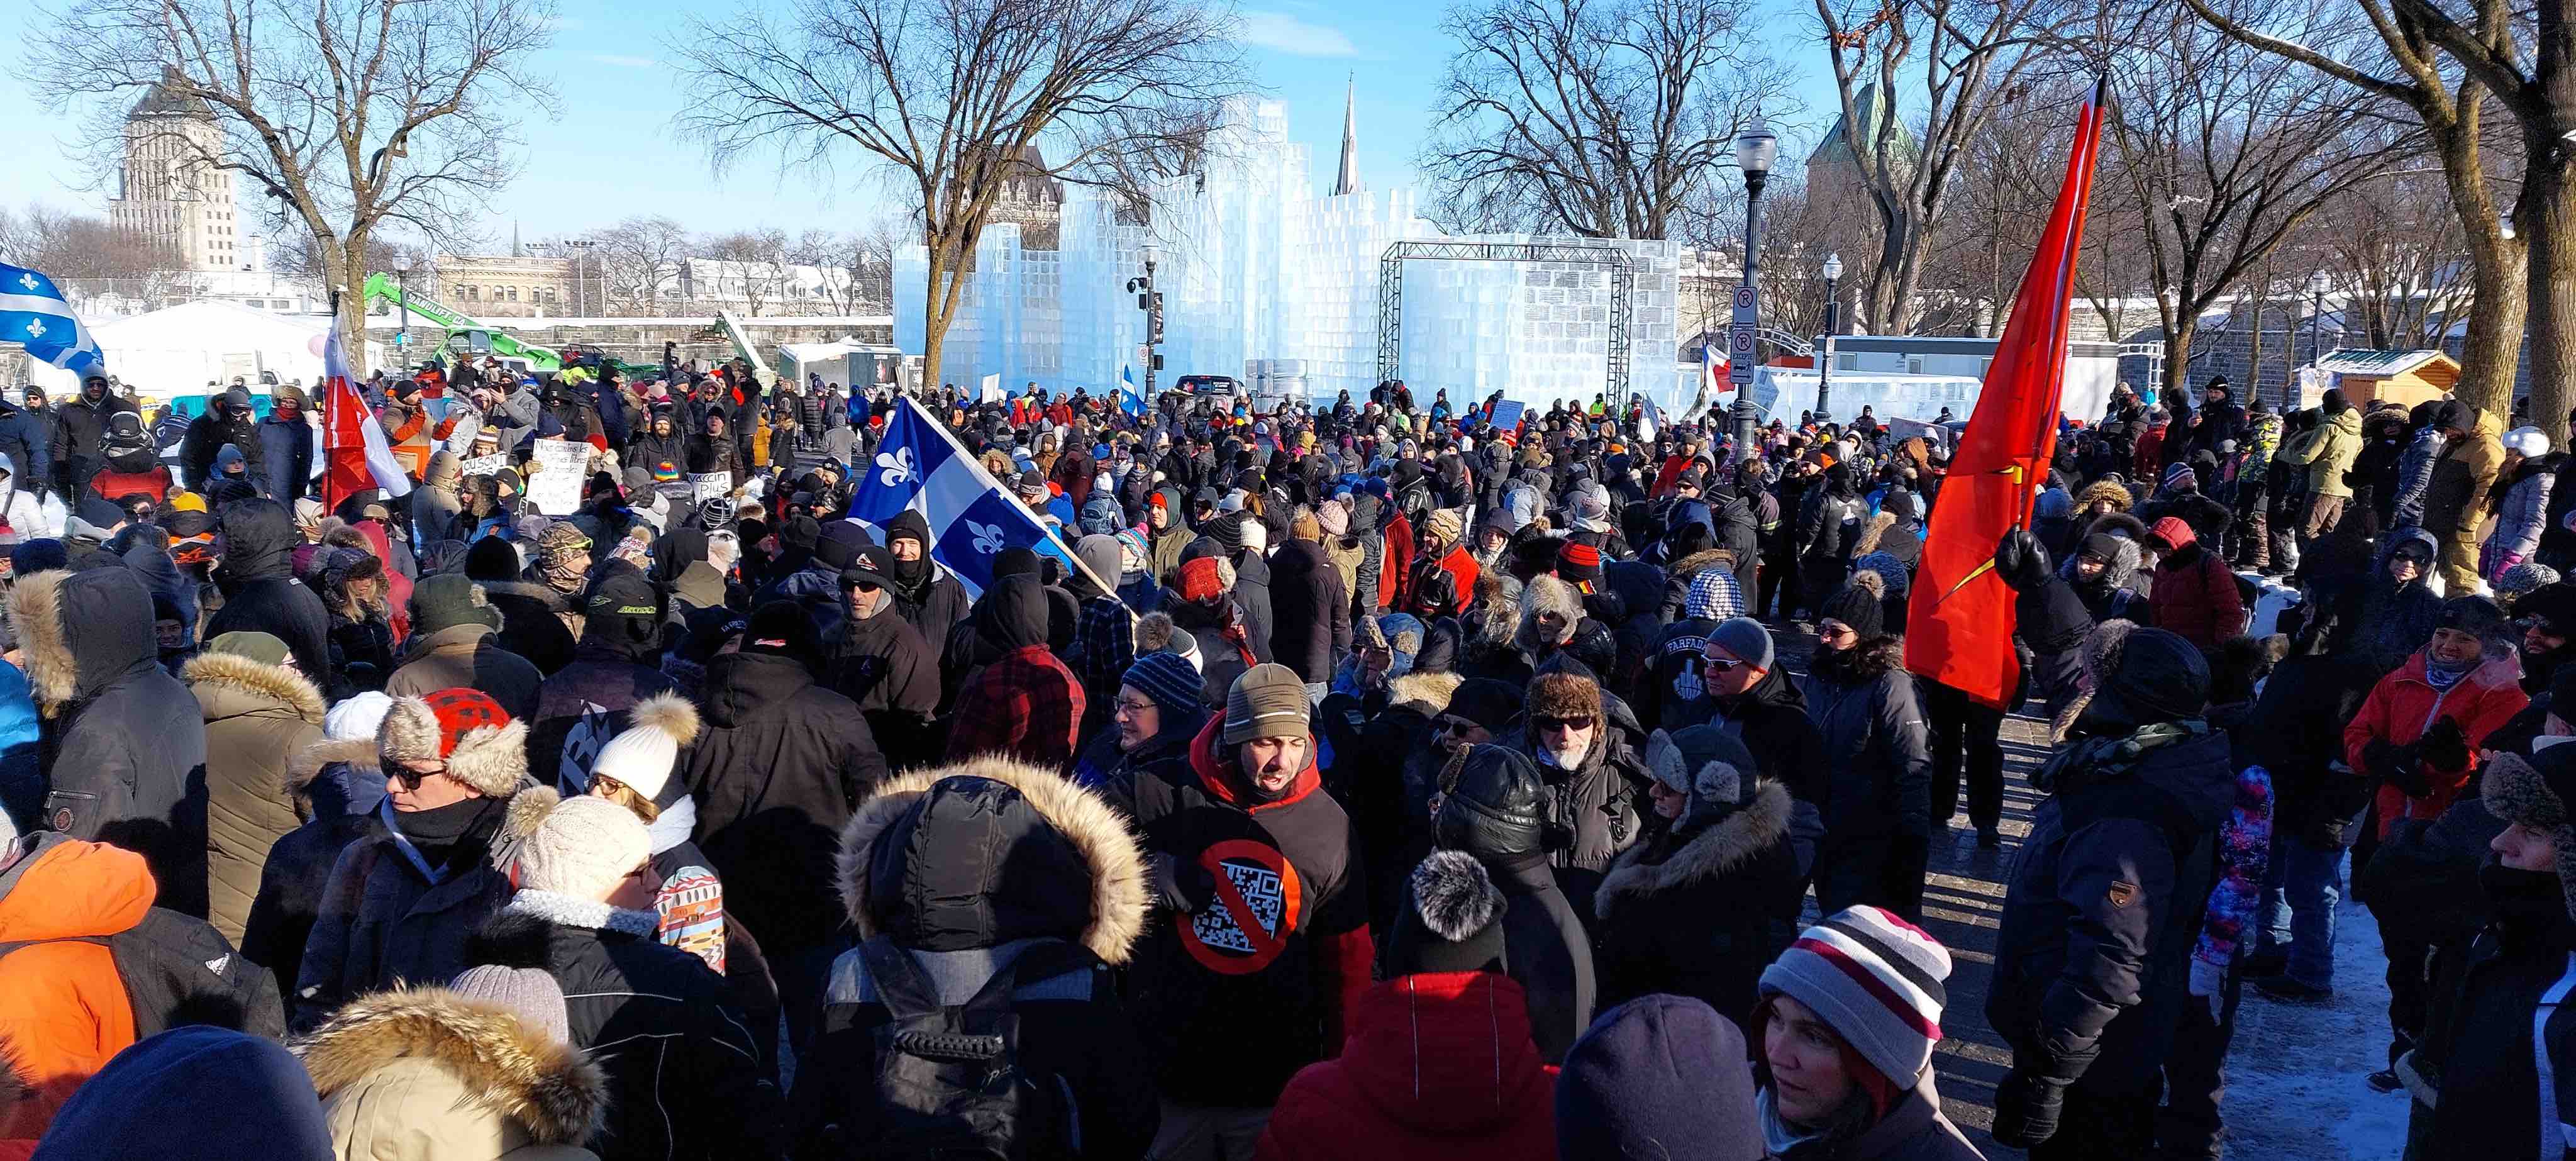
(1349, 180)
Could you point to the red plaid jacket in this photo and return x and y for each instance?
(1026, 705)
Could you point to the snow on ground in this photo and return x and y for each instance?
(2294, 1074)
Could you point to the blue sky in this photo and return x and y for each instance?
(611, 154)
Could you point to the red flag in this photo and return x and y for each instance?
(355, 455)
(1959, 617)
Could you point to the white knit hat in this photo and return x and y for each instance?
(583, 848)
(642, 755)
(356, 717)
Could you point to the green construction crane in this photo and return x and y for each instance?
(381, 288)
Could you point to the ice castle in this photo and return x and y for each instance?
(1258, 271)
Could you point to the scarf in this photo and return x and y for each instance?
(1778, 1136)
(2442, 675)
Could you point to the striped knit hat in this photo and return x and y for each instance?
(1877, 980)
(1579, 563)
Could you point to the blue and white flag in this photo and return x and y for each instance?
(33, 312)
(1131, 398)
(1650, 418)
(921, 467)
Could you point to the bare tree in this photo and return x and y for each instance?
(2406, 63)
(1967, 58)
(639, 259)
(2224, 152)
(88, 256)
(1600, 118)
(2398, 261)
(951, 98)
(351, 114)
(752, 265)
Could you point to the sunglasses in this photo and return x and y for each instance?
(1722, 664)
(1458, 726)
(410, 778)
(1545, 723)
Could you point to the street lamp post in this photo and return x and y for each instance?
(1825, 356)
(402, 337)
(1150, 301)
(1755, 149)
(2316, 321)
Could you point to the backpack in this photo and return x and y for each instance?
(179, 971)
(949, 1085)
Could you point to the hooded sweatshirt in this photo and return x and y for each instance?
(261, 593)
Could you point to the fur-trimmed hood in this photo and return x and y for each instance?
(305, 766)
(1430, 689)
(80, 632)
(1546, 594)
(2119, 524)
(1718, 848)
(555, 1092)
(1095, 832)
(1872, 532)
(1862, 663)
(1690, 566)
(230, 685)
(2113, 491)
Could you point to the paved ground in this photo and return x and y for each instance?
(2295, 1090)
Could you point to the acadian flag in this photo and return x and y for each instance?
(353, 444)
(1959, 623)
(1715, 370)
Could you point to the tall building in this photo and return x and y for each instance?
(171, 193)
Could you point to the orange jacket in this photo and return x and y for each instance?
(2403, 705)
(410, 442)
(63, 1011)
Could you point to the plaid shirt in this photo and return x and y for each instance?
(1026, 705)
(1104, 645)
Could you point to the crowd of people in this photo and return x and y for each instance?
(1362, 782)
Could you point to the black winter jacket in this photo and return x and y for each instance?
(599, 687)
(125, 754)
(775, 770)
(2105, 903)
(685, 1078)
(261, 593)
(1701, 912)
(1875, 748)
(1771, 720)
(1312, 630)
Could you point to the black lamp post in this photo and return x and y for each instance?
(1755, 149)
(1825, 349)
(1150, 301)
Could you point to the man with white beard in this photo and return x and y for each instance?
(1598, 805)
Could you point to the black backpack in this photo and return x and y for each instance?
(179, 971)
(949, 1085)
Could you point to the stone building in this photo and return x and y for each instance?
(169, 189)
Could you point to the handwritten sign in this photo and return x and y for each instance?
(711, 485)
(490, 465)
(555, 488)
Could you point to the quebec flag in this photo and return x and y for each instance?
(921, 467)
(1131, 399)
(34, 313)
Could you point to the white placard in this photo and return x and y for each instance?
(490, 465)
(711, 485)
(555, 488)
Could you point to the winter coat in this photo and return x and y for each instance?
(963, 912)
(430, 1075)
(2196, 597)
(27, 439)
(2103, 908)
(1439, 1067)
(2415, 478)
(383, 920)
(1227, 1020)
(2403, 705)
(581, 707)
(2518, 524)
(700, 1090)
(1252, 596)
(2475, 1075)
(886, 667)
(1461, 567)
(775, 770)
(1876, 750)
(1771, 720)
(335, 787)
(1701, 912)
(127, 749)
(194, 1093)
(261, 593)
(80, 431)
(63, 1009)
(257, 718)
(1914, 1130)
(1601, 806)
(2328, 450)
(2455, 494)
(1547, 950)
(1828, 524)
(286, 451)
(1310, 609)
(532, 624)
(467, 656)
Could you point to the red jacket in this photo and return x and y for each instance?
(2403, 705)
(1462, 569)
(1395, 567)
(1438, 1067)
(2197, 597)
(2147, 458)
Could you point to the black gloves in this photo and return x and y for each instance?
(2398, 766)
(2021, 561)
(1182, 887)
(2026, 1109)
(2445, 746)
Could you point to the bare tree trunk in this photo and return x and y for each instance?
(2178, 338)
(350, 270)
(2548, 220)
(934, 317)
(2493, 346)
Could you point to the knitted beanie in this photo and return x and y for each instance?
(1658, 1076)
(464, 728)
(1335, 519)
(1268, 701)
(1454, 922)
(1874, 978)
(1744, 639)
(356, 717)
(1855, 605)
(1579, 563)
(1444, 525)
(642, 755)
(264, 648)
(1099, 553)
(448, 600)
(582, 848)
(1168, 678)
(1206, 578)
(529, 993)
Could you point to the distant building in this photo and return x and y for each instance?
(170, 191)
(501, 286)
(1833, 172)
(1031, 199)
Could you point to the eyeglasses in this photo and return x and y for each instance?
(1459, 726)
(1546, 724)
(1125, 706)
(412, 776)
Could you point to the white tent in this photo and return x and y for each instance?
(178, 350)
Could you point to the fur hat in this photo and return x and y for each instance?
(642, 755)
(582, 848)
(2535, 792)
(464, 728)
(1565, 695)
(1454, 923)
